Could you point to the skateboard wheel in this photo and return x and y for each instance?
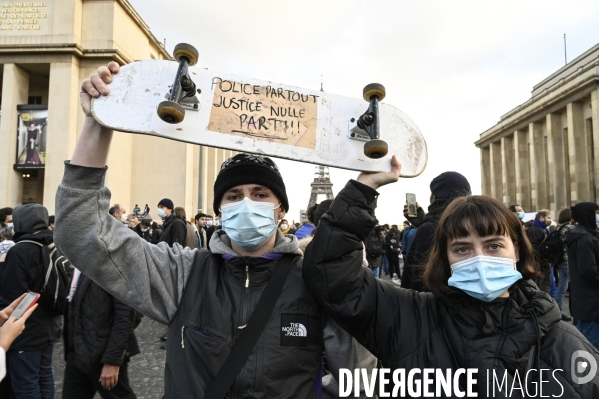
(375, 149)
(171, 112)
(374, 89)
(187, 51)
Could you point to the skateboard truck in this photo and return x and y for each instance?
(369, 122)
(183, 89)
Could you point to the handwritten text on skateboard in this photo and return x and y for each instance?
(264, 113)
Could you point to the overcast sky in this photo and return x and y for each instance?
(453, 66)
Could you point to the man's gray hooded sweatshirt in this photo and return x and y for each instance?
(205, 297)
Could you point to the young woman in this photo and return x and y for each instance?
(483, 311)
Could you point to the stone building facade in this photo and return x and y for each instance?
(47, 49)
(542, 154)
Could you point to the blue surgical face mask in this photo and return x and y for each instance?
(597, 220)
(10, 225)
(162, 213)
(208, 223)
(249, 224)
(521, 215)
(484, 277)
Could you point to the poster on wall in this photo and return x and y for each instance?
(31, 136)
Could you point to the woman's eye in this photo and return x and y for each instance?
(462, 250)
(494, 247)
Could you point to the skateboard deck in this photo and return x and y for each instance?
(256, 116)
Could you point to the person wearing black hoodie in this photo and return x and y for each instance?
(30, 357)
(444, 189)
(583, 262)
(174, 227)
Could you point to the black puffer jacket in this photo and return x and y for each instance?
(174, 230)
(98, 327)
(24, 271)
(583, 263)
(407, 329)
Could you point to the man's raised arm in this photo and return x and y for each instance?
(148, 277)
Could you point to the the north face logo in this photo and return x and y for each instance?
(294, 330)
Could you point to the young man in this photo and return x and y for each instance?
(174, 227)
(537, 234)
(206, 297)
(200, 234)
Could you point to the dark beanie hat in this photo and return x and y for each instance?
(249, 169)
(449, 185)
(167, 203)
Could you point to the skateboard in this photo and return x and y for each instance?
(179, 101)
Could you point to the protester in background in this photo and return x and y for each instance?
(51, 222)
(482, 313)
(132, 222)
(518, 211)
(144, 229)
(119, 212)
(308, 227)
(211, 227)
(407, 238)
(174, 228)
(10, 329)
(5, 217)
(191, 231)
(537, 234)
(284, 227)
(293, 228)
(444, 189)
(392, 250)
(6, 241)
(30, 357)
(99, 341)
(200, 233)
(374, 249)
(564, 219)
(583, 263)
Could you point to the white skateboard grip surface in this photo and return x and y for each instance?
(298, 124)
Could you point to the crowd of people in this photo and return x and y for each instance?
(260, 307)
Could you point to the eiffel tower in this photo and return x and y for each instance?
(321, 185)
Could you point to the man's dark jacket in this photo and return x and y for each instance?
(24, 271)
(98, 328)
(174, 229)
(145, 235)
(583, 264)
(406, 329)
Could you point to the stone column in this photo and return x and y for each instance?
(538, 183)
(522, 169)
(211, 173)
(15, 87)
(507, 170)
(578, 154)
(557, 153)
(485, 170)
(595, 125)
(63, 104)
(496, 173)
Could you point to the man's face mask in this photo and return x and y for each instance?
(208, 222)
(249, 224)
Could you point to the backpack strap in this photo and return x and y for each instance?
(52, 249)
(246, 342)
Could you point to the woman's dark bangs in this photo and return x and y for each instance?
(482, 218)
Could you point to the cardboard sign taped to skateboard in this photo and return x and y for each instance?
(264, 113)
(256, 116)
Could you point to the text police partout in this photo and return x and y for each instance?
(432, 383)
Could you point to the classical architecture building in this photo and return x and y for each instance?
(47, 49)
(542, 154)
